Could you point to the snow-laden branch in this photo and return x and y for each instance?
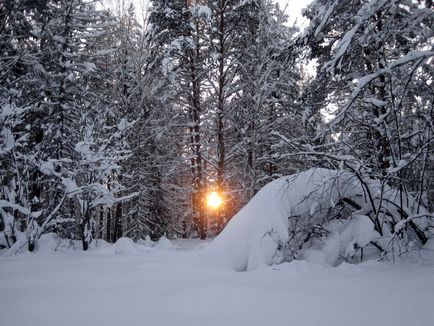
(367, 79)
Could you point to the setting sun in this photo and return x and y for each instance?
(214, 200)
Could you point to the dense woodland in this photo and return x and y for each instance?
(112, 127)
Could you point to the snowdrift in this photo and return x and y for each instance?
(321, 215)
(50, 243)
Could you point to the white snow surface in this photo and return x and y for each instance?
(151, 286)
(232, 280)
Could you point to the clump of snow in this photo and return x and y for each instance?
(362, 230)
(125, 246)
(49, 242)
(190, 244)
(327, 255)
(167, 67)
(201, 11)
(47, 167)
(102, 247)
(18, 247)
(164, 243)
(100, 244)
(3, 242)
(89, 67)
(344, 241)
(147, 242)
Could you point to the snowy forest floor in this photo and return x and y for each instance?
(169, 286)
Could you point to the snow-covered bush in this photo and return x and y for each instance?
(323, 215)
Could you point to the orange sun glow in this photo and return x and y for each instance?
(214, 200)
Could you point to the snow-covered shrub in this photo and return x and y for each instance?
(323, 215)
(346, 212)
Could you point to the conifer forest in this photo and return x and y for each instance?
(174, 125)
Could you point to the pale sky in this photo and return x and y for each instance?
(293, 8)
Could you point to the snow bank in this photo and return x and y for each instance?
(253, 235)
(50, 243)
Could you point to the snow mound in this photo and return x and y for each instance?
(165, 244)
(46, 244)
(258, 233)
(50, 242)
(102, 247)
(125, 246)
(321, 215)
(147, 242)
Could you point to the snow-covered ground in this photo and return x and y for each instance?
(171, 284)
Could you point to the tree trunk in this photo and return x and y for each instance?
(118, 222)
(221, 154)
(195, 139)
(109, 224)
